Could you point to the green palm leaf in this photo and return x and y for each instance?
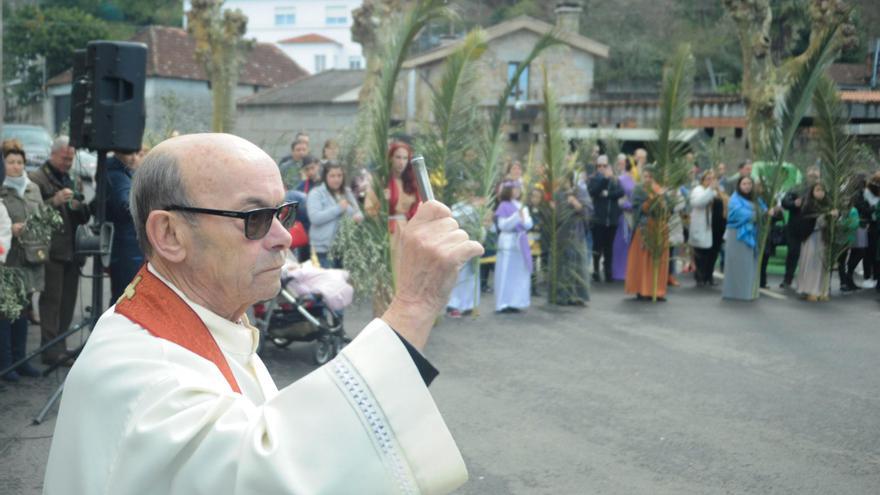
(804, 73)
(366, 246)
(454, 130)
(559, 219)
(670, 167)
(675, 98)
(494, 141)
(839, 154)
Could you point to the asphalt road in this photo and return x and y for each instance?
(692, 396)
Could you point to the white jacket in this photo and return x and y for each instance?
(5, 232)
(701, 217)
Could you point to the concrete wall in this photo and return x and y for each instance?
(274, 127)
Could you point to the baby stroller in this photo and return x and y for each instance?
(299, 313)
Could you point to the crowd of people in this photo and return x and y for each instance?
(608, 207)
(47, 266)
(711, 229)
(709, 225)
(642, 233)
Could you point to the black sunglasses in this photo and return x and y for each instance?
(256, 222)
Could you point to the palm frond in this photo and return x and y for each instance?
(494, 140)
(367, 246)
(560, 218)
(455, 123)
(395, 49)
(804, 74)
(838, 153)
(675, 97)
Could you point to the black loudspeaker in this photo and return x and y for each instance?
(81, 85)
(114, 114)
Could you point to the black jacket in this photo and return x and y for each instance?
(606, 210)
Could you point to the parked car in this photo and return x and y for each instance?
(37, 142)
(85, 164)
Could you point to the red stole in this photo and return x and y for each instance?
(153, 305)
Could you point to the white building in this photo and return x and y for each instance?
(314, 33)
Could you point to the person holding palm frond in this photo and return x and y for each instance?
(23, 203)
(816, 216)
(647, 271)
(573, 216)
(741, 238)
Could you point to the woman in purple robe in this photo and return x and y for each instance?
(624, 226)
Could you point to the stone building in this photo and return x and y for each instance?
(569, 67)
(177, 93)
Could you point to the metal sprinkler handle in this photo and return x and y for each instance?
(422, 179)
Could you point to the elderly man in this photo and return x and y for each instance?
(62, 270)
(169, 396)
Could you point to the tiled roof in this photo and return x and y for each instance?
(860, 96)
(309, 38)
(325, 87)
(171, 54)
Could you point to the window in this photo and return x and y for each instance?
(320, 63)
(354, 62)
(521, 90)
(337, 15)
(285, 16)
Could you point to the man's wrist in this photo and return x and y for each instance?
(410, 321)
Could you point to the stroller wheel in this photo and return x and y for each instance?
(323, 351)
(281, 341)
(338, 343)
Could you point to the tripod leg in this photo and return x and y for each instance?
(45, 410)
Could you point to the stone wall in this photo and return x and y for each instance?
(273, 127)
(570, 72)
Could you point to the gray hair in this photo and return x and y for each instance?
(156, 185)
(60, 143)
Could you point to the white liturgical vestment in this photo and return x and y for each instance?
(141, 415)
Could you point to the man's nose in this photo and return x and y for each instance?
(278, 237)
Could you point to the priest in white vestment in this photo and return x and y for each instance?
(169, 396)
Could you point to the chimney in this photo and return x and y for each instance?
(568, 16)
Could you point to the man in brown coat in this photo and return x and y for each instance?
(62, 270)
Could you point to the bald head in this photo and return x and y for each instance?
(194, 200)
(193, 170)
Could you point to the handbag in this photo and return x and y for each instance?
(298, 236)
(35, 253)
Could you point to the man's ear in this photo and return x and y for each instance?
(167, 234)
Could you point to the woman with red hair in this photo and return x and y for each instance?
(401, 191)
(402, 195)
